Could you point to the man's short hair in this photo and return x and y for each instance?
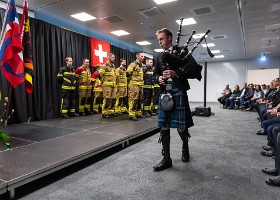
(85, 59)
(110, 54)
(67, 59)
(122, 59)
(166, 31)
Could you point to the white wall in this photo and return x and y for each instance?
(221, 73)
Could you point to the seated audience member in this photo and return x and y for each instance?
(273, 119)
(243, 92)
(258, 94)
(229, 102)
(264, 89)
(271, 100)
(225, 94)
(243, 101)
(274, 181)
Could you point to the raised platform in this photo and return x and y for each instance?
(43, 147)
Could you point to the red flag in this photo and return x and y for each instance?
(11, 48)
(27, 55)
(99, 51)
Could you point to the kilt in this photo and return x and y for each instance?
(180, 116)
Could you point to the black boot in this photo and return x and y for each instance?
(166, 162)
(185, 149)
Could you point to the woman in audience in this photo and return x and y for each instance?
(258, 94)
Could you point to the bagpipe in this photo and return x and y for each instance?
(184, 60)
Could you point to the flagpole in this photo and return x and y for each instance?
(2, 38)
(4, 23)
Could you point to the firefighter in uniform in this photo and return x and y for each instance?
(67, 77)
(97, 90)
(107, 75)
(156, 93)
(121, 94)
(135, 73)
(85, 86)
(148, 88)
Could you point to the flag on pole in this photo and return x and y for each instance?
(99, 51)
(11, 47)
(26, 44)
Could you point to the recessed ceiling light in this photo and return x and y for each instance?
(219, 56)
(198, 36)
(158, 50)
(120, 32)
(187, 21)
(83, 16)
(143, 43)
(163, 1)
(215, 51)
(209, 45)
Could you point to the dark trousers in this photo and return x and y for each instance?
(276, 137)
(68, 101)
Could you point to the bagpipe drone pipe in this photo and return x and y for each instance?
(184, 60)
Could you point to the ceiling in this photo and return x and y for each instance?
(240, 29)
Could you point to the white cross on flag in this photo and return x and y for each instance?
(99, 51)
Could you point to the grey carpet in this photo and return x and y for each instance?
(225, 164)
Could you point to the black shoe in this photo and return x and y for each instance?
(74, 115)
(147, 115)
(270, 171)
(114, 115)
(153, 114)
(64, 116)
(261, 133)
(140, 116)
(105, 116)
(267, 148)
(185, 155)
(89, 113)
(275, 181)
(267, 153)
(82, 114)
(133, 119)
(164, 164)
(273, 157)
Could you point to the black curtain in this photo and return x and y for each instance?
(50, 46)
(121, 53)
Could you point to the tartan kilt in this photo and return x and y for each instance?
(180, 116)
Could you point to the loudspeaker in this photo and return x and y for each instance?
(203, 111)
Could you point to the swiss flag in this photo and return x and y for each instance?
(99, 51)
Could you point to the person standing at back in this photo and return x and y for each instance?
(67, 77)
(85, 85)
(107, 74)
(148, 88)
(134, 73)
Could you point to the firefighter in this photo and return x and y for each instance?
(148, 88)
(67, 77)
(156, 93)
(121, 94)
(85, 86)
(107, 75)
(135, 87)
(97, 101)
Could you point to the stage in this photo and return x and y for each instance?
(43, 147)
